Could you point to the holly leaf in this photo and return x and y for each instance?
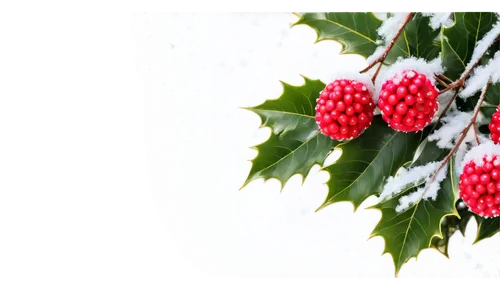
(450, 225)
(367, 161)
(487, 227)
(356, 32)
(417, 39)
(492, 100)
(459, 40)
(410, 231)
(296, 143)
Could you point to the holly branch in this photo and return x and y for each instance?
(382, 57)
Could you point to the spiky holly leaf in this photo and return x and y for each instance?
(410, 231)
(356, 32)
(367, 161)
(449, 226)
(296, 143)
(459, 40)
(487, 227)
(417, 39)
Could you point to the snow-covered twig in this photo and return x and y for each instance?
(481, 48)
(463, 134)
(382, 53)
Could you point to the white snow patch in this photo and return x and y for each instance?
(379, 51)
(481, 75)
(428, 191)
(439, 19)
(407, 178)
(390, 27)
(419, 65)
(388, 31)
(447, 135)
(477, 153)
(482, 45)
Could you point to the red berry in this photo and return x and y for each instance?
(344, 109)
(494, 126)
(479, 186)
(409, 103)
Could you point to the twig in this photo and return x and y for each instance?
(374, 77)
(443, 77)
(446, 108)
(441, 81)
(460, 82)
(475, 133)
(389, 47)
(462, 136)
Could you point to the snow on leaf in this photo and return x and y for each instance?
(458, 41)
(296, 143)
(453, 124)
(366, 161)
(408, 232)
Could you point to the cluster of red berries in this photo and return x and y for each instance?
(408, 102)
(480, 186)
(494, 126)
(345, 109)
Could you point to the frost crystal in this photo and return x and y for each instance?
(428, 191)
(481, 76)
(448, 134)
(405, 179)
(439, 19)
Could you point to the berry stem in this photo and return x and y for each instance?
(441, 82)
(443, 77)
(462, 136)
(389, 47)
(475, 133)
(460, 82)
(377, 71)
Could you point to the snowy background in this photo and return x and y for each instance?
(197, 70)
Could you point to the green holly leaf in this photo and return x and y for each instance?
(367, 161)
(296, 143)
(487, 227)
(356, 32)
(408, 232)
(417, 39)
(492, 100)
(449, 226)
(459, 40)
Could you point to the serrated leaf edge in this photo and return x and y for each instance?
(303, 176)
(440, 235)
(338, 40)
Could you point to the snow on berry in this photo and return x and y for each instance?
(345, 108)
(480, 180)
(453, 124)
(494, 126)
(408, 101)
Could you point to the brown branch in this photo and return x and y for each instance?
(443, 77)
(374, 77)
(446, 108)
(460, 82)
(441, 81)
(462, 136)
(389, 47)
(475, 133)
